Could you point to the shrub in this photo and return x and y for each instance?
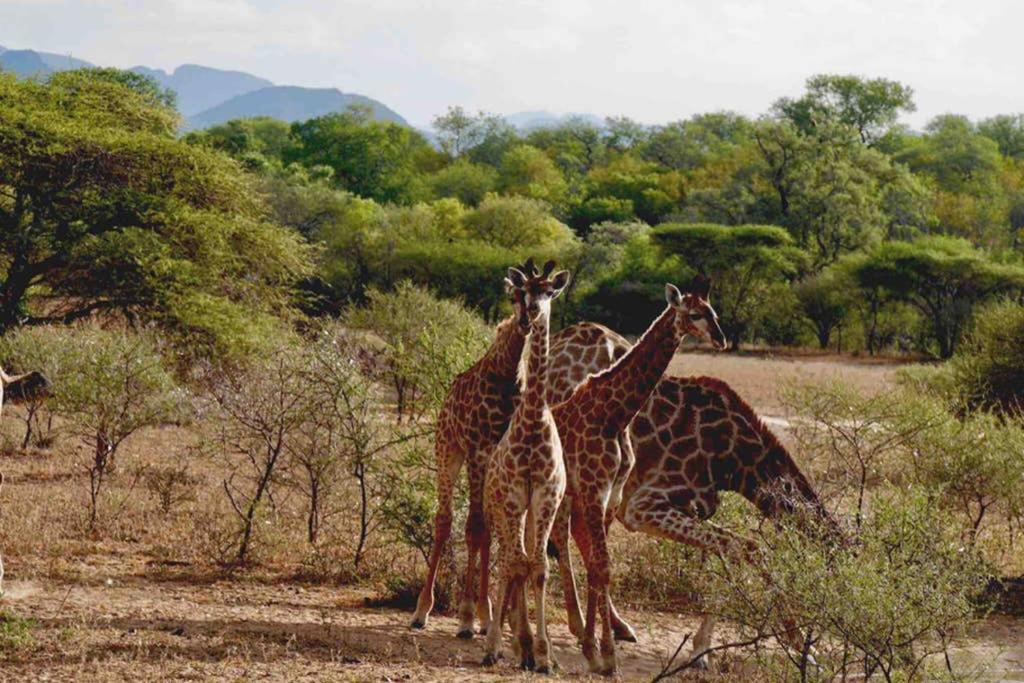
(427, 342)
(882, 607)
(113, 383)
(989, 367)
(28, 349)
(856, 440)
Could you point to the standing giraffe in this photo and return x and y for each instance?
(525, 484)
(472, 420)
(693, 439)
(591, 424)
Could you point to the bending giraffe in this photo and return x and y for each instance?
(525, 484)
(473, 418)
(694, 439)
(591, 425)
(25, 387)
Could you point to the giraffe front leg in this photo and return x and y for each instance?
(442, 530)
(547, 505)
(560, 540)
(654, 514)
(598, 580)
(492, 650)
(483, 596)
(623, 631)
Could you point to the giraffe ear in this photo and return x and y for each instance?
(509, 287)
(516, 278)
(672, 295)
(700, 285)
(559, 282)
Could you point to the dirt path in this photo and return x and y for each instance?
(137, 629)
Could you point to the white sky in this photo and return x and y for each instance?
(653, 60)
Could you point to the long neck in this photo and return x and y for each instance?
(502, 359)
(536, 380)
(630, 382)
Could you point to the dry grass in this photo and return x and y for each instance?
(145, 597)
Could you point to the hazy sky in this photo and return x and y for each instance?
(653, 60)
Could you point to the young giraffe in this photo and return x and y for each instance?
(694, 439)
(473, 419)
(591, 424)
(525, 483)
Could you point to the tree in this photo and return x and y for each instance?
(690, 144)
(517, 222)
(528, 172)
(743, 263)
(943, 278)
(374, 159)
(825, 299)
(465, 181)
(102, 208)
(1007, 131)
(259, 135)
(870, 106)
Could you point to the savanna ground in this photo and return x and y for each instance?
(141, 601)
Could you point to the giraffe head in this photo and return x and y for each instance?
(783, 490)
(532, 291)
(694, 314)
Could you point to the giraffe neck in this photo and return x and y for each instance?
(502, 359)
(632, 379)
(534, 371)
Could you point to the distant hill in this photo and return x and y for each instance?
(288, 103)
(33, 64)
(200, 87)
(531, 120)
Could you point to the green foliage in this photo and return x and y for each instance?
(15, 633)
(427, 341)
(869, 106)
(825, 300)
(465, 181)
(528, 172)
(988, 369)
(517, 223)
(35, 349)
(942, 278)
(103, 209)
(374, 159)
(1007, 131)
(884, 607)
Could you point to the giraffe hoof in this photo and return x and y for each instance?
(527, 664)
(417, 623)
(625, 634)
(546, 670)
(490, 659)
(465, 634)
(702, 664)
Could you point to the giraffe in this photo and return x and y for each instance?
(24, 387)
(524, 484)
(693, 439)
(473, 418)
(592, 423)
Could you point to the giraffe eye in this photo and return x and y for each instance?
(696, 316)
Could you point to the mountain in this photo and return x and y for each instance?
(33, 64)
(288, 103)
(200, 87)
(531, 120)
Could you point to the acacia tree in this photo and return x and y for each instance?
(102, 208)
(943, 278)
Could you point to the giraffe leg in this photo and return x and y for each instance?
(598, 580)
(545, 505)
(442, 530)
(652, 513)
(475, 532)
(560, 539)
(483, 596)
(492, 650)
(622, 630)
